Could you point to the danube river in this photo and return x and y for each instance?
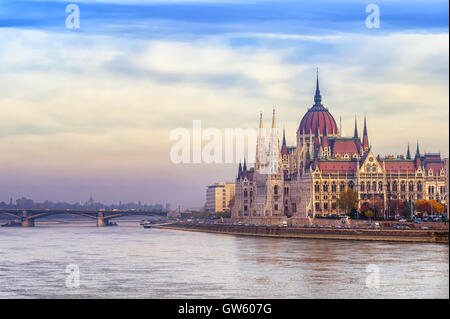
(129, 261)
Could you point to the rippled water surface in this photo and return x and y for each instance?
(131, 262)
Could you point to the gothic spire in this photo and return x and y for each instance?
(245, 165)
(240, 170)
(417, 150)
(408, 153)
(317, 96)
(325, 136)
(365, 136)
(284, 137)
(355, 135)
(274, 123)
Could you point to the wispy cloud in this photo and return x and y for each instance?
(95, 108)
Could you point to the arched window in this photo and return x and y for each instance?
(325, 187)
(361, 187)
(388, 185)
(245, 193)
(341, 186)
(333, 187)
(419, 186)
(394, 186)
(275, 190)
(411, 187)
(380, 186)
(351, 184)
(374, 186)
(403, 186)
(368, 186)
(317, 187)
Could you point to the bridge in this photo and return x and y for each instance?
(27, 217)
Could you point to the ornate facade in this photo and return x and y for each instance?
(304, 181)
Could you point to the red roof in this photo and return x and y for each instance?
(318, 116)
(345, 146)
(342, 167)
(402, 166)
(436, 167)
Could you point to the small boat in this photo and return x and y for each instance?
(12, 223)
(147, 224)
(113, 224)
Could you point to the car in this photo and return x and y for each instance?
(320, 226)
(356, 227)
(338, 226)
(425, 228)
(305, 226)
(328, 226)
(284, 224)
(268, 225)
(347, 226)
(313, 226)
(402, 220)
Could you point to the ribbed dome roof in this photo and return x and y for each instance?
(318, 117)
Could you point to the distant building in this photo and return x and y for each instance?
(219, 197)
(167, 207)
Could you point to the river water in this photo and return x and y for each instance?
(129, 261)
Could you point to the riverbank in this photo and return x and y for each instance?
(424, 236)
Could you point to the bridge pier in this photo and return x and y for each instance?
(102, 222)
(27, 223)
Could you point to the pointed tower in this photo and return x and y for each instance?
(408, 153)
(316, 140)
(417, 157)
(417, 151)
(274, 150)
(365, 136)
(355, 135)
(239, 171)
(284, 151)
(325, 145)
(244, 169)
(260, 145)
(317, 96)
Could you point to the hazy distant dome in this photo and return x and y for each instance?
(318, 117)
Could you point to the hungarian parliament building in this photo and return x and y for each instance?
(306, 180)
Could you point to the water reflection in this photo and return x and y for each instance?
(132, 262)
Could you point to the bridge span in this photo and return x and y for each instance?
(27, 217)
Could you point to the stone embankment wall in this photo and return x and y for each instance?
(434, 236)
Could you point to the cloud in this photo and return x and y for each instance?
(96, 110)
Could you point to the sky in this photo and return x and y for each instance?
(90, 110)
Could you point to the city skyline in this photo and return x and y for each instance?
(76, 123)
